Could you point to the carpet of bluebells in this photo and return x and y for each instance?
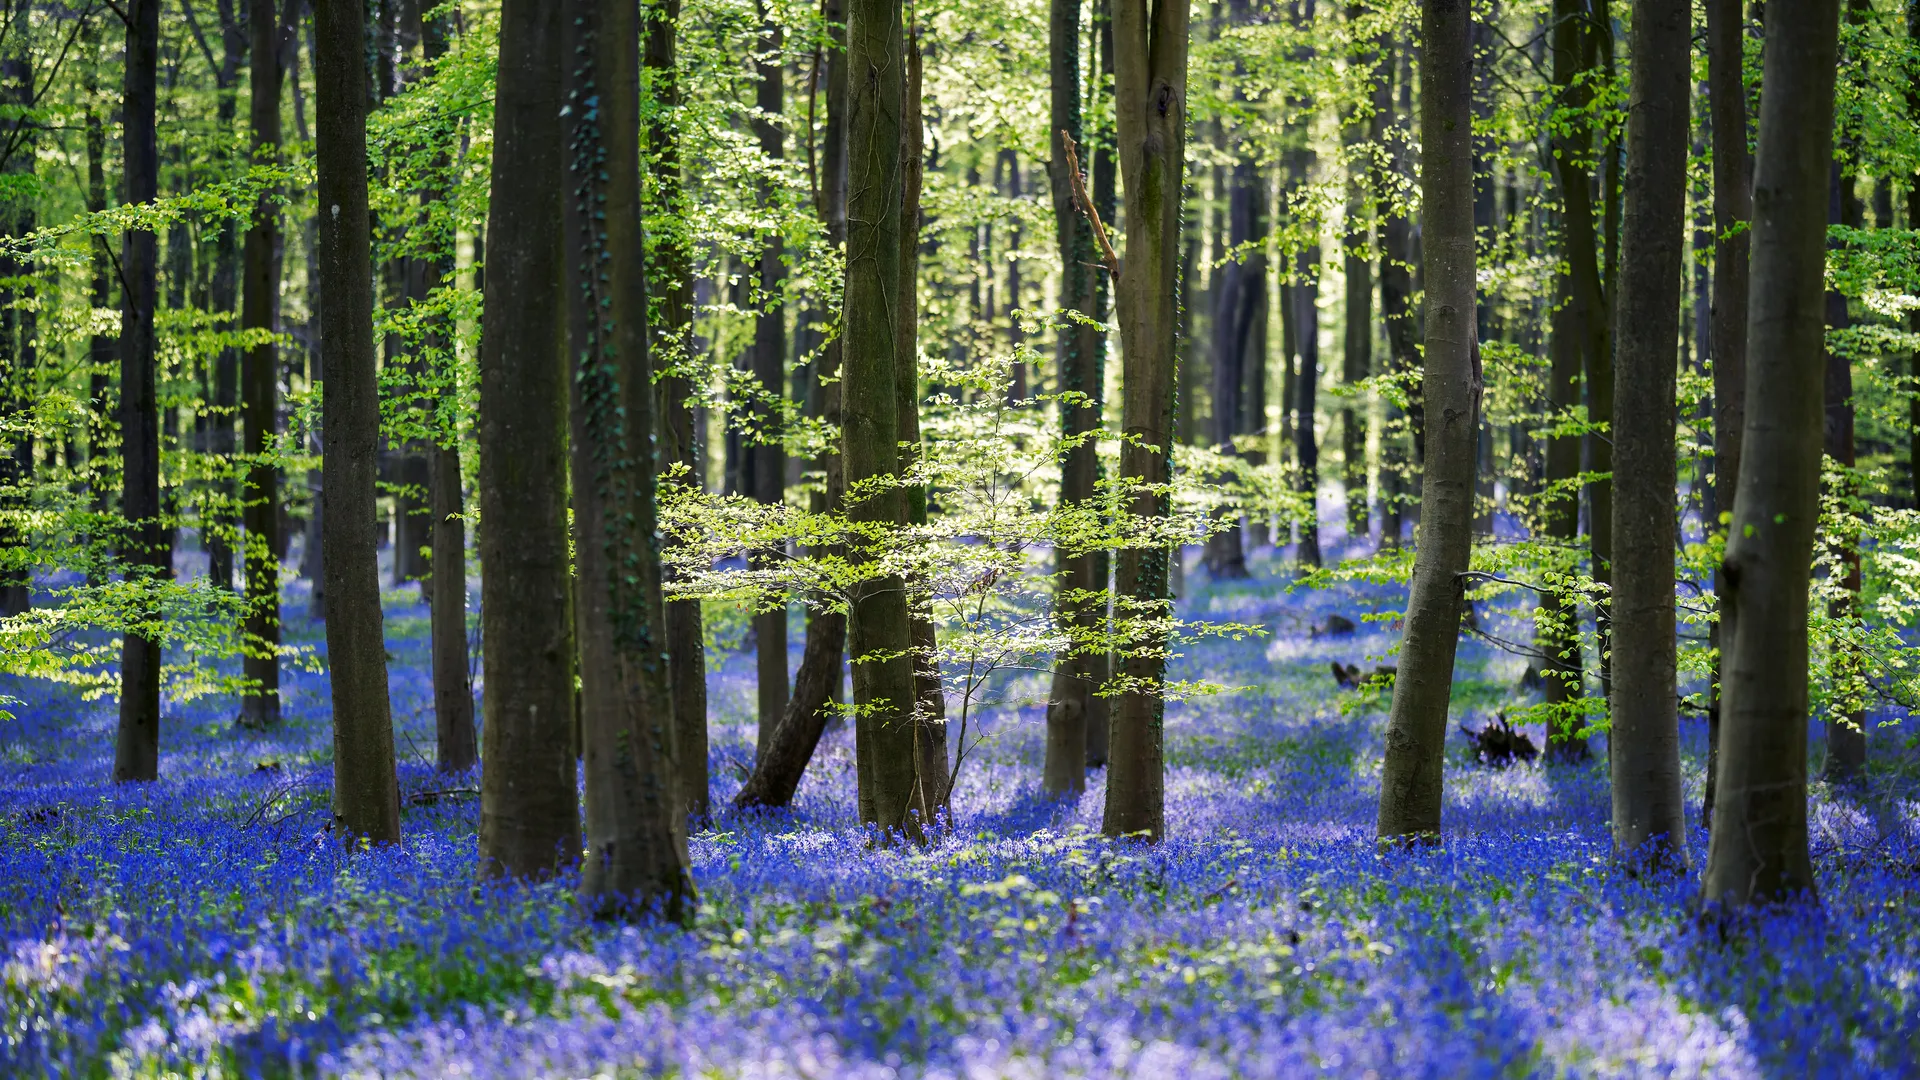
(207, 925)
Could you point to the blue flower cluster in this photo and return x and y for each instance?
(208, 925)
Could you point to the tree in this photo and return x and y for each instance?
(260, 382)
(1649, 814)
(1079, 597)
(1239, 321)
(778, 767)
(686, 652)
(1410, 784)
(1732, 212)
(529, 801)
(930, 703)
(1758, 847)
(766, 460)
(636, 836)
(147, 547)
(366, 790)
(1150, 116)
(1356, 353)
(884, 690)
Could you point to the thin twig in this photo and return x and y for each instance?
(1087, 207)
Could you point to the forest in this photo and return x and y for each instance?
(918, 538)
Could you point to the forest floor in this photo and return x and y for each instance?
(206, 925)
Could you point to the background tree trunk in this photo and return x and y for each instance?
(768, 460)
(816, 686)
(366, 792)
(1150, 113)
(930, 711)
(1305, 295)
(147, 545)
(1649, 813)
(686, 639)
(1410, 784)
(1732, 212)
(1078, 352)
(1105, 169)
(1356, 353)
(1846, 730)
(636, 828)
(1758, 849)
(529, 792)
(1396, 312)
(260, 384)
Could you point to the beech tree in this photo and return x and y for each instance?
(529, 801)
(1649, 815)
(366, 790)
(884, 689)
(1758, 846)
(636, 831)
(1410, 782)
(1150, 117)
(148, 543)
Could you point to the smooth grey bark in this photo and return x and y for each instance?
(1649, 812)
(1150, 116)
(366, 791)
(1732, 213)
(260, 382)
(767, 458)
(529, 790)
(147, 546)
(1411, 783)
(636, 831)
(1758, 847)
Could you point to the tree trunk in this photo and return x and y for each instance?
(1077, 596)
(686, 649)
(147, 545)
(816, 686)
(1356, 354)
(1732, 212)
(17, 345)
(930, 711)
(1397, 315)
(102, 351)
(1846, 730)
(1105, 170)
(636, 828)
(1556, 627)
(366, 792)
(1649, 813)
(1410, 785)
(1150, 113)
(259, 390)
(1239, 304)
(1305, 295)
(529, 797)
(1758, 850)
(884, 688)
(769, 459)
